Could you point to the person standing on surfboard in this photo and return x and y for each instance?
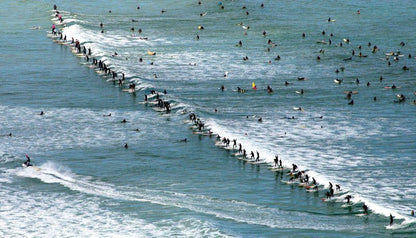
(276, 160)
(27, 162)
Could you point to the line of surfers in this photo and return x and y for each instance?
(296, 175)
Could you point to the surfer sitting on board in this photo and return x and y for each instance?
(27, 162)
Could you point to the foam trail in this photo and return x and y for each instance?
(238, 211)
(252, 144)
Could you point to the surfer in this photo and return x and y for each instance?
(124, 121)
(348, 197)
(126, 146)
(258, 156)
(41, 113)
(27, 162)
(294, 167)
(276, 160)
(365, 208)
(391, 219)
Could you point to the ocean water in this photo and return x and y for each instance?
(89, 185)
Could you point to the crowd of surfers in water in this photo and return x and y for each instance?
(295, 174)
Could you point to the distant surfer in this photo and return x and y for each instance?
(27, 162)
(124, 121)
(276, 160)
(391, 219)
(348, 197)
(41, 113)
(365, 208)
(126, 146)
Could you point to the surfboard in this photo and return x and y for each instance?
(298, 108)
(289, 182)
(257, 162)
(337, 81)
(322, 42)
(31, 166)
(389, 87)
(309, 186)
(150, 52)
(352, 92)
(130, 90)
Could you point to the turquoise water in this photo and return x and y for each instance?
(89, 185)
